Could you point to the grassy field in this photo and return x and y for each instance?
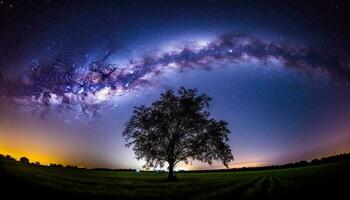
(326, 180)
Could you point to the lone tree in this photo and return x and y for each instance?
(177, 128)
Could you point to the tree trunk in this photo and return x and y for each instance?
(171, 171)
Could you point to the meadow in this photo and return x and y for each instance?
(31, 181)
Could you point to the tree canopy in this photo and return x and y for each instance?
(177, 128)
(24, 160)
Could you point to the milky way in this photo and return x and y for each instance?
(61, 83)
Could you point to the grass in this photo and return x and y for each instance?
(327, 180)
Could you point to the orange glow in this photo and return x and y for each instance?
(31, 155)
(33, 144)
(17, 148)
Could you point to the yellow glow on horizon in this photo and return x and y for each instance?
(27, 150)
(35, 148)
(32, 156)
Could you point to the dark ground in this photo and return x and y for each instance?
(20, 180)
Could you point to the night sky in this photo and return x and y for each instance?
(72, 71)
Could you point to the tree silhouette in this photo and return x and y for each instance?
(24, 160)
(177, 128)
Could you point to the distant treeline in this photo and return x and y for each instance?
(339, 157)
(26, 161)
(303, 163)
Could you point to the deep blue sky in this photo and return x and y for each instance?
(71, 72)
